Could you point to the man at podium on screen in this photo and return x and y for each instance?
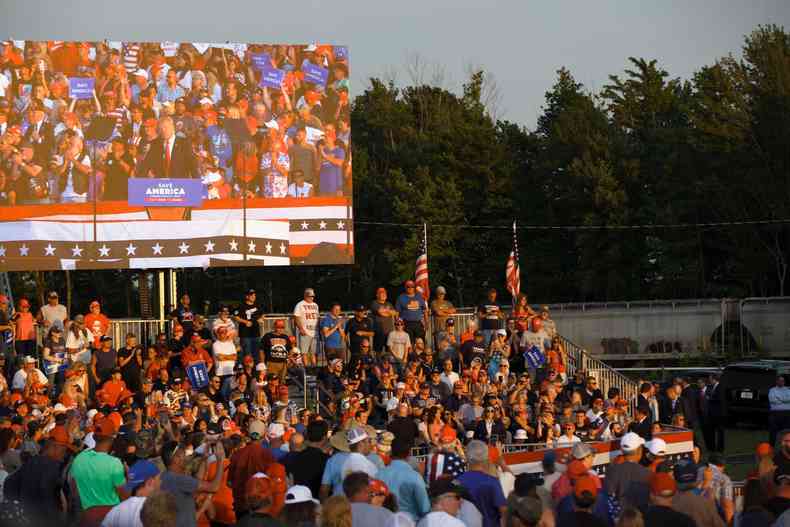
(169, 156)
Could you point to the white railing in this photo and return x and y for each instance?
(578, 358)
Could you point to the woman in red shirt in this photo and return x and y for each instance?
(24, 330)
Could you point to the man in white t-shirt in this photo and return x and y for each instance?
(224, 351)
(28, 368)
(445, 496)
(299, 188)
(143, 480)
(4, 84)
(306, 318)
(568, 437)
(357, 461)
(53, 313)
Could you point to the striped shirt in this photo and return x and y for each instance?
(120, 114)
(131, 57)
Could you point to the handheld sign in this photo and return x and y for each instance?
(315, 74)
(272, 77)
(313, 135)
(197, 373)
(170, 48)
(535, 357)
(261, 61)
(341, 52)
(81, 87)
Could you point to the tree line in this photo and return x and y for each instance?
(646, 149)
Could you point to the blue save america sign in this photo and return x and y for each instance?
(146, 192)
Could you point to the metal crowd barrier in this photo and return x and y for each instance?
(577, 358)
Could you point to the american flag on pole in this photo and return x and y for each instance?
(512, 270)
(421, 269)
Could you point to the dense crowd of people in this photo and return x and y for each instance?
(268, 121)
(412, 426)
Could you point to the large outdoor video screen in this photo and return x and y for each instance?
(174, 154)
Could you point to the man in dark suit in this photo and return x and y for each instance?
(713, 425)
(40, 133)
(169, 156)
(489, 427)
(690, 394)
(642, 424)
(643, 399)
(671, 404)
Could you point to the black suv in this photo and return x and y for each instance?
(746, 386)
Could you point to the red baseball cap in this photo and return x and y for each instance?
(104, 426)
(408, 283)
(60, 436)
(576, 469)
(587, 484)
(764, 450)
(663, 484)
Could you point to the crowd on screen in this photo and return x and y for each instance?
(162, 112)
(414, 421)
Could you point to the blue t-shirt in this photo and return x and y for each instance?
(333, 340)
(330, 176)
(333, 472)
(486, 493)
(411, 308)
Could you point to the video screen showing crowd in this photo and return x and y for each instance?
(79, 119)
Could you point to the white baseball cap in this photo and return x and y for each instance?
(206, 100)
(631, 442)
(299, 494)
(276, 430)
(657, 446)
(520, 434)
(355, 435)
(261, 366)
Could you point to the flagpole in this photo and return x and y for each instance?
(425, 237)
(512, 292)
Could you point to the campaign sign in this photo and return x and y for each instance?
(535, 357)
(315, 74)
(197, 373)
(341, 52)
(272, 77)
(261, 61)
(81, 87)
(146, 192)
